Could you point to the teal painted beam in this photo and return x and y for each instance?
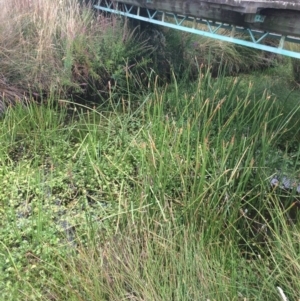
(212, 34)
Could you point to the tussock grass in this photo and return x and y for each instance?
(295, 63)
(194, 51)
(37, 41)
(61, 47)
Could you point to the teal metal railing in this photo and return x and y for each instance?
(253, 38)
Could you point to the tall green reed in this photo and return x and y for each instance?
(206, 149)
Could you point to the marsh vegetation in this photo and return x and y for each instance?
(138, 165)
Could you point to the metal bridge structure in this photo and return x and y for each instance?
(244, 22)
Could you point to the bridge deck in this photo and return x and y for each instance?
(242, 6)
(274, 16)
(257, 20)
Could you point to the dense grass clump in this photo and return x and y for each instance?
(62, 47)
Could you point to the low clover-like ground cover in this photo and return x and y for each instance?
(167, 197)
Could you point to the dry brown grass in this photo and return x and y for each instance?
(43, 41)
(9, 95)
